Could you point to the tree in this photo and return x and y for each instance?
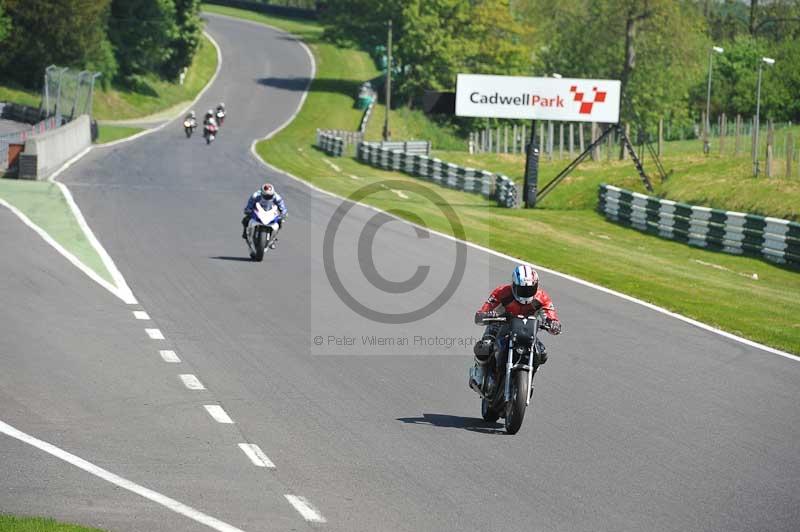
(187, 39)
(64, 32)
(142, 32)
(5, 24)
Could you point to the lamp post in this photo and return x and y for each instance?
(707, 125)
(769, 61)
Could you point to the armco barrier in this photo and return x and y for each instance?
(774, 239)
(329, 143)
(498, 187)
(53, 148)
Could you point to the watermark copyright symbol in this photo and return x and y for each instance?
(318, 340)
(367, 263)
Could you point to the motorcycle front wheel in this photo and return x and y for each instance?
(515, 408)
(260, 242)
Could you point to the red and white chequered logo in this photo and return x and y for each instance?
(586, 105)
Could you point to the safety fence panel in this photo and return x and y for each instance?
(493, 186)
(738, 233)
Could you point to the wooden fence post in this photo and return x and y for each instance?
(789, 154)
(738, 132)
(571, 140)
(580, 136)
(560, 140)
(723, 124)
(660, 137)
(505, 138)
(596, 149)
(524, 144)
(770, 144)
(514, 139)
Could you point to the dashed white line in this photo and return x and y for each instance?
(158, 498)
(256, 455)
(192, 382)
(219, 415)
(332, 165)
(351, 176)
(305, 509)
(154, 334)
(169, 356)
(400, 193)
(140, 315)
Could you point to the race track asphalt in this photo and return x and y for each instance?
(639, 421)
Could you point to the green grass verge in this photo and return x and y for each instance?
(110, 133)
(572, 238)
(153, 96)
(10, 523)
(44, 204)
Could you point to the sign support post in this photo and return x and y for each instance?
(531, 183)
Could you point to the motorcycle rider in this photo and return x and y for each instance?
(209, 120)
(191, 118)
(267, 197)
(220, 109)
(522, 296)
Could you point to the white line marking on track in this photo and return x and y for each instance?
(154, 334)
(140, 315)
(163, 500)
(256, 455)
(400, 193)
(219, 415)
(169, 356)
(329, 163)
(192, 382)
(305, 509)
(351, 176)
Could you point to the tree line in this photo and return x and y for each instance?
(659, 49)
(123, 39)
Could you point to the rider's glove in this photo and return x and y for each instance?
(554, 327)
(480, 316)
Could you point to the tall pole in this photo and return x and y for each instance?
(758, 122)
(707, 125)
(387, 134)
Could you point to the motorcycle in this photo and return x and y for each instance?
(508, 395)
(261, 230)
(210, 133)
(188, 127)
(220, 116)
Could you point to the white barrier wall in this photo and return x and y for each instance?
(55, 147)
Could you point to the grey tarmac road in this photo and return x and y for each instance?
(639, 421)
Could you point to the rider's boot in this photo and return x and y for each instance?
(273, 244)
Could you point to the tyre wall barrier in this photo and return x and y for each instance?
(738, 233)
(53, 148)
(493, 186)
(330, 143)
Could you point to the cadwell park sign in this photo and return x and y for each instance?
(561, 99)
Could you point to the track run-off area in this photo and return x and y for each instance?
(250, 396)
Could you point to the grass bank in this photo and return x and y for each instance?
(10, 523)
(573, 239)
(44, 204)
(109, 133)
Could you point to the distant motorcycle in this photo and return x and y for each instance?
(220, 117)
(508, 395)
(210, 133)
(188, 126)
(261, 230)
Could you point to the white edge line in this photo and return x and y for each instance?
(158, 498)
(191, 382)
(305, 509)
(168, 121)
(169, 356)
(218, 413)
(256, 455)
(58, 247)
(577, 280)
(141, 315)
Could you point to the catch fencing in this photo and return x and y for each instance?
(494, 186)
(774, 239)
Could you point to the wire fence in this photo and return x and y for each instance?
(67, 93)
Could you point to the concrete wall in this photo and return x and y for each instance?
(55, 147)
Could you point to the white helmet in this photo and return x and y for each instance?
(524, 284)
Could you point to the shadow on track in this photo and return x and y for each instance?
(337, 86)
(234, 259)
(472, 424)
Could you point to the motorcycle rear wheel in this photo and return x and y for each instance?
(487, 412)
(515, 408)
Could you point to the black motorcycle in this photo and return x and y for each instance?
(508, 394)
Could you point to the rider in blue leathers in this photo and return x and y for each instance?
(267, 197)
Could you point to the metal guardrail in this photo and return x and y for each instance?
(494, 186)
(774, 239)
